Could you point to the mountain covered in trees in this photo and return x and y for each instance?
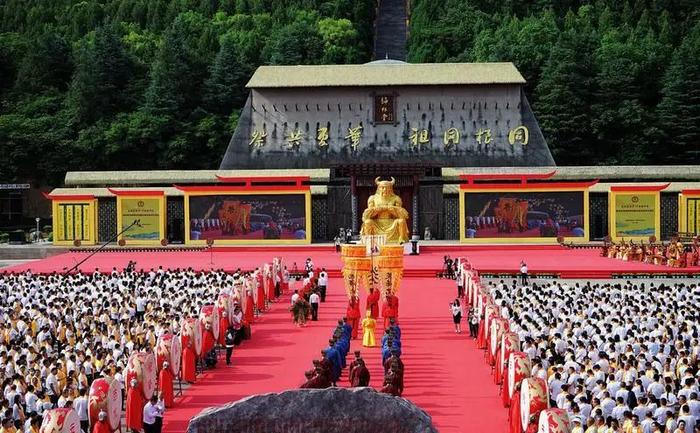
(159, 84)
(610, 81)
(149, 84)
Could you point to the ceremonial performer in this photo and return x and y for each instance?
(360, 374)
(353, 314)
(373, 303)
(189, 360)
(102, 426)
(368, 325)
(165, 382)
(134, 407)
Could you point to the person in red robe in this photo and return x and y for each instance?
(353, 314)
(284, 285)
(504, 393)
(390, 309)
(497, 370)
(270, 287)
(481, 336)
(373, 303)
(260, 304)
(514, 413)
(134, 407)
(189, 360)
(223, 326)
(101, 426)
(165, 382)
(249, 313)
(208, 341)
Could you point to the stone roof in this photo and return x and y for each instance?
(385, 74)
(604, 187)
(651, 173)
(168, 191)
(170, 177)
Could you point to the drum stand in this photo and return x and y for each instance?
(179, 387)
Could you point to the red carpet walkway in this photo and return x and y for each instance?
(445, 374)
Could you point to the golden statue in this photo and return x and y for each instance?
(385, 214)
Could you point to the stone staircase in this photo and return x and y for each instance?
(391, 30)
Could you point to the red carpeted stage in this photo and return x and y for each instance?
(550, 260)
(444, 373)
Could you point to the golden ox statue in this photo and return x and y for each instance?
(385, 214)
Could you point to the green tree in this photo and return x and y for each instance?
(619, 118)
(298, 43)
(563, 100)
(340, 40)
(225, 88)
(679, 110)
(47, 64)
(102, 76)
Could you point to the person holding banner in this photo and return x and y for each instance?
(165, 382)
(134, 407)
(373, 303)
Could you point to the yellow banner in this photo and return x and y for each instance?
(635, 215)
(146, 213)
(73, 221)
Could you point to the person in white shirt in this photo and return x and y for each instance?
(523, 273)
(314, 299)
(154, 409)
(295, 297)
(694, 405)
(689, 419)
(81, 407)
(140, 307)
(323, 283)
(51, 385)
(30, 399)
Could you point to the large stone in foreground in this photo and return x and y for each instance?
(333, 410)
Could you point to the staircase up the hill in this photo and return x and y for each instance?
(390, 30)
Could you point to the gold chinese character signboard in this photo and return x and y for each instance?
(354, 136)
(322, 137)
(450, 138)
(294, 139)
(419, 137)
(384, 109)
(257, 138)
(483, 136)
(519, 135)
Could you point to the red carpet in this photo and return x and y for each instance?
(445, 374)
(499, 259)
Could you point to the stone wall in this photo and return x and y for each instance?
(333, 410)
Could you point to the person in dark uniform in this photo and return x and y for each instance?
(230, 340)
(360, 374)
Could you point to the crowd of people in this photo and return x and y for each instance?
(60, 332)
(306, 300)
(391, 360)
(674, 254)
(327, 371)
(617, 357)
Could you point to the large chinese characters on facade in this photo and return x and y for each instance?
(385, 214)
(448, 115)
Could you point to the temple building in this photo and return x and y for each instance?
(460, 140)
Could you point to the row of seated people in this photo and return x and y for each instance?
(616, 357)
(674, 254)
(60, 332)
(326, 372)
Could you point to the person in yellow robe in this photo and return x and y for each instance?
(368, 325)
